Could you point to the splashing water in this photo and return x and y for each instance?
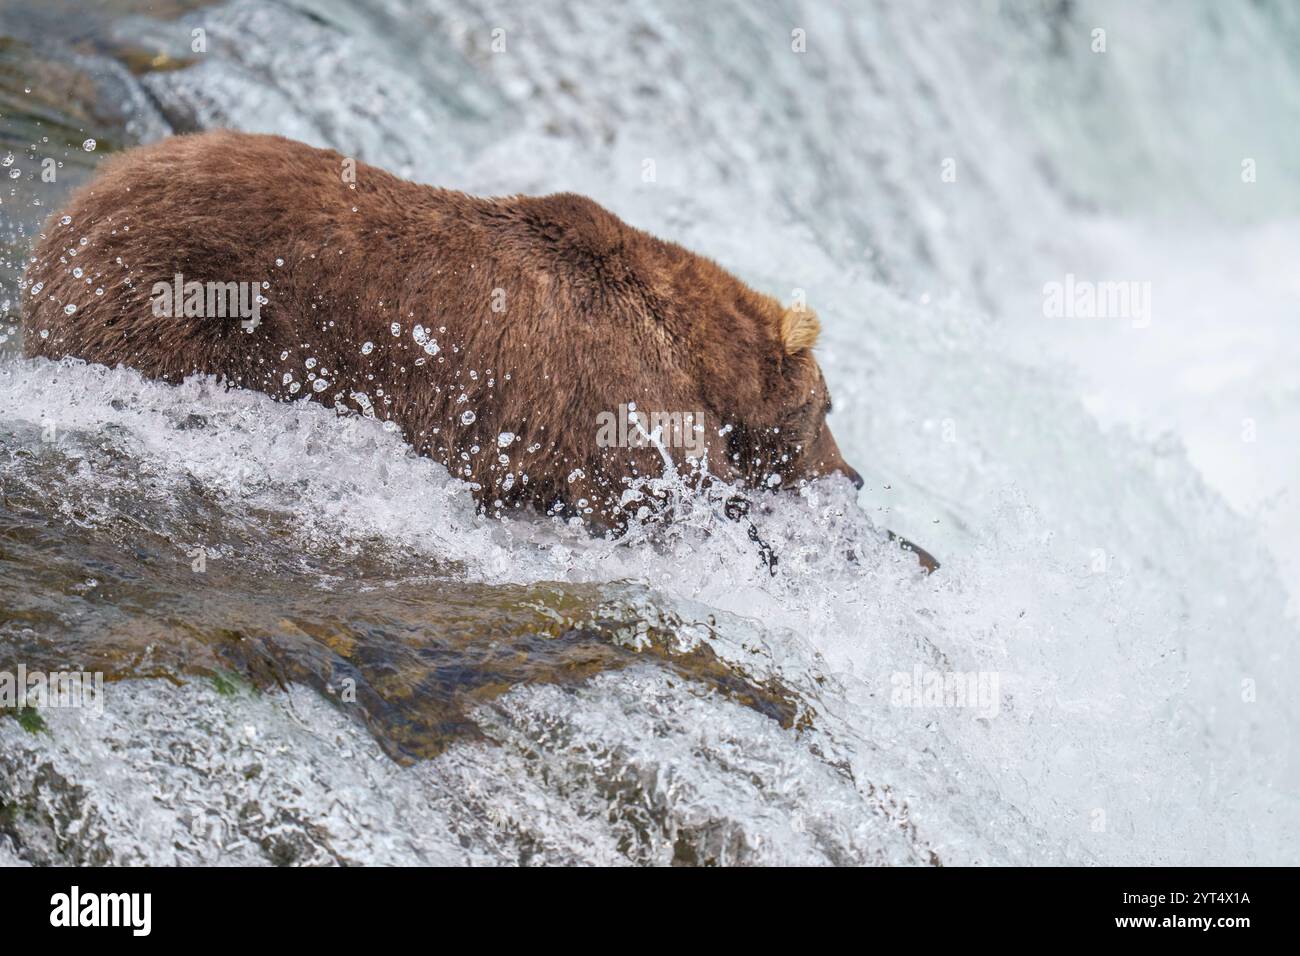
(526, 692)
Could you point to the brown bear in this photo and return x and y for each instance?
(530, 344)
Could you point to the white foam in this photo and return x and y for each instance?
(1136, 620)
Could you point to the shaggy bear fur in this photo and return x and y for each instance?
(493, 332)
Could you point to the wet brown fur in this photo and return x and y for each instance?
(596, 314)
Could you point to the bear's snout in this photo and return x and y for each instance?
(824, 458)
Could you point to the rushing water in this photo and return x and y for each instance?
(318, 652)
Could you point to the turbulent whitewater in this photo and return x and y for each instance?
(319, 653)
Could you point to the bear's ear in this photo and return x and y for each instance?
(799, 329)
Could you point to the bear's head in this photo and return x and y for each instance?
(782, 438)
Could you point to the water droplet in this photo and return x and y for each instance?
(88, 145)
(467, 417)
(367, 348)
(320, 385)
(395, 328)
(65, 220)
(279, 261)
(69, 309)
(504, 439)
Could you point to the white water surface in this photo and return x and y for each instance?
(1111, 549)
